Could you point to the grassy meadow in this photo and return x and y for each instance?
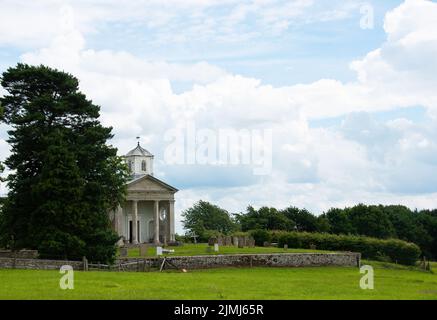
(391, 282)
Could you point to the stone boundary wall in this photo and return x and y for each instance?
(345, 259)
(37, 264)
(268, 260)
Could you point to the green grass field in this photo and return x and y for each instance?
(391, 282)
(190, 249)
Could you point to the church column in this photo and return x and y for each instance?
(134, 221)
(171, 220)
(118, 222)
(156, 211)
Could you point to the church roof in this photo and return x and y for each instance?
(139, 151)
(152, 178)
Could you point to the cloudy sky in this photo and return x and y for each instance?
(347, 90)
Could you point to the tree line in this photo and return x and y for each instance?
(378, 221)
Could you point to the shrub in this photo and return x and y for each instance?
(240, 234)
(260, 236)
(370, 248)
(207, 234)
(276, 234)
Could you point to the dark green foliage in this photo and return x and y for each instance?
(399, 222)
(261, 236)
(65, 178)
(302, 218)
(339, 221)
(371, 221)
(264, 218)
(419, 227)
(397, 251)
(205, 219)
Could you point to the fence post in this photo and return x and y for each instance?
(85, 263)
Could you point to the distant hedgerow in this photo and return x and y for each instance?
(395, 250)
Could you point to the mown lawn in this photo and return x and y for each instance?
(391, 282)
(190, 249)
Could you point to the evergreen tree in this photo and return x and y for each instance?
(65, 177)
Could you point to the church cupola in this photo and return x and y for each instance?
(139, 161)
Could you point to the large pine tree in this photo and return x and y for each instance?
(65, 178)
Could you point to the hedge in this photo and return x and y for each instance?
(262, 235)
(370, 248)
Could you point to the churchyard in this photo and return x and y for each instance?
(191, 249)
(391, 282)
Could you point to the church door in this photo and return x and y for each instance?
(130, 231)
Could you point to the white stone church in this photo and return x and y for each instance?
(148, 212)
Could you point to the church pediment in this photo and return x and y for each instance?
(149, 183)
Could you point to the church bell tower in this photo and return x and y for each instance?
(139, 161)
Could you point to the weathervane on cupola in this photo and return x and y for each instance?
(139, 161)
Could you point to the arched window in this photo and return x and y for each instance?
(129, 163)
(143, 165)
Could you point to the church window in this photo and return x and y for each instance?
(143, 165)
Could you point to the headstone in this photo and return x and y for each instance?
(212, 241)
(220, 240)
(286, 246)
(123, 252)
(266, 244)
(144, 248)
(313, 247)
(85, 263)
(228, 241)
(241, 242)
(216, 247)
(251, 243)
(159, 251)
(235, 241)
(208, 249)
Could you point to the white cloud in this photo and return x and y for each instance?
(402, 71)
(362, 160)
(170, 20)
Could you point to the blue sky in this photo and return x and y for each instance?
(305, 52)
(352, 110)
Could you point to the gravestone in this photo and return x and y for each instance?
(285, 246)
(220, 240)
(216, 247)
(266, 244)
(313, 247)
(228, 241)
(251, 242)
(241, 242)
(144, 248)
(123, 252)
(212, 241)
(235, 241)
(159, 251)
(208, 249)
